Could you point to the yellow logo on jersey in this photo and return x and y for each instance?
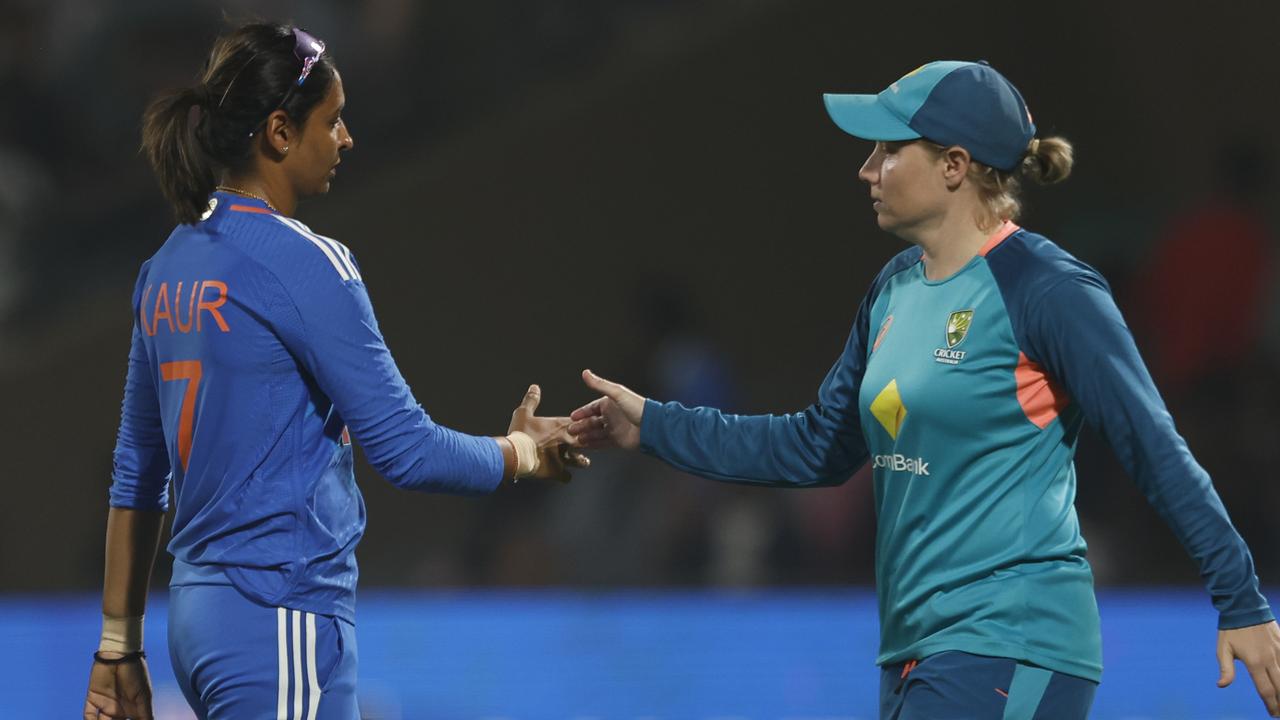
(889, 410)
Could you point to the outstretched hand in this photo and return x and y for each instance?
(610, 421)
(556, 453)
(1258, 647)
(119, 691)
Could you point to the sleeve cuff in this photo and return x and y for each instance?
(1236, 620)
(499, 462)
(129, 502)
(651, 426)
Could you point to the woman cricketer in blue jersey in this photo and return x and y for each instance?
(974, 359)
(256, 357)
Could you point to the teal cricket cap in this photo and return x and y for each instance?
(949, 102)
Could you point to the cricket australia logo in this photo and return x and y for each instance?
(957, 328)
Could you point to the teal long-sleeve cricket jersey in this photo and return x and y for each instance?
(967, 395)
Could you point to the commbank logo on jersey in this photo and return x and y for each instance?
(957, 329)
(898, 462)
(889, 410)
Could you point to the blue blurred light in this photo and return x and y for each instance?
(651, 655)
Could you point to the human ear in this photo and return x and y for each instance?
(955, 166)
(278, 133)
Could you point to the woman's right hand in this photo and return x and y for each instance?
(555, 444)
(610, 421)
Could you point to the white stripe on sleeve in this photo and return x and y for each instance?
(344, 253)
(337, 253)
(339, 265)
(282, 704)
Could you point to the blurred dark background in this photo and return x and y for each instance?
(652, 189)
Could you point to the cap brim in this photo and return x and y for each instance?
(863, 116)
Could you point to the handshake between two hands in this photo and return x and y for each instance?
(612, 420)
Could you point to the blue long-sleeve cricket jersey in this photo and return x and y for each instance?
(967, 394)
(254, 348)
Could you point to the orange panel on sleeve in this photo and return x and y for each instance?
(1039, 397)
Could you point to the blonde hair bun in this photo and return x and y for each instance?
(1048, 160)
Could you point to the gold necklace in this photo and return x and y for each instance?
(246, 193)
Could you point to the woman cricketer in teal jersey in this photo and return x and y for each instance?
(974, 360)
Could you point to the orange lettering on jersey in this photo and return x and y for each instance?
(191, 306)
(212, 306)
(142, 312)
(162, 298)
(171, 313)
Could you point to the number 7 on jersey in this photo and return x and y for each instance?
(189, 370)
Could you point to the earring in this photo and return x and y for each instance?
(285, 149)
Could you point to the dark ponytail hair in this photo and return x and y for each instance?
(193, 135)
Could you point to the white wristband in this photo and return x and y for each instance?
(122, 635)
(526, 454)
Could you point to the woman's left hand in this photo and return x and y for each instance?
(122, 691)
(1258, 647)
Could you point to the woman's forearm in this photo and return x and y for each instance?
(132, 539)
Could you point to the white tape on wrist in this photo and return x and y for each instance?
(526, 454)
(122, 635)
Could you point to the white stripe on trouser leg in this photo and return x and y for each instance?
(282, 704)
(313, 684)
(297, 665)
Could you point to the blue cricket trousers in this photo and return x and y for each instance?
(237, 660)
(956, 685)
